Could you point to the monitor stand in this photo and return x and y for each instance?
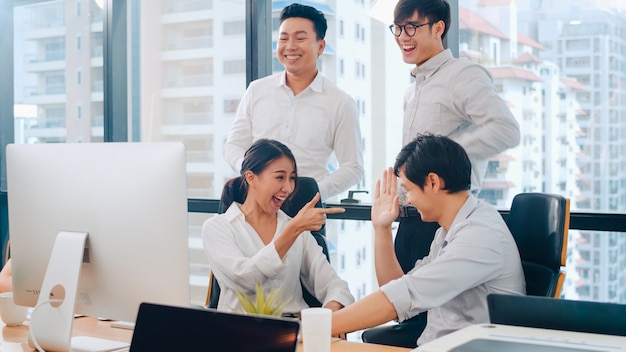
(53, 316)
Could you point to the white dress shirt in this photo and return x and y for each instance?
(452, 283)
(239, 260)
(320, 120)
(456, 98)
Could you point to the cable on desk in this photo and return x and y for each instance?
(31, 334)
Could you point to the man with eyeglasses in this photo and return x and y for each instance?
(450, 97)
(301, 108)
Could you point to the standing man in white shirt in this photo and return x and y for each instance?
(301, 108)
(450, 97)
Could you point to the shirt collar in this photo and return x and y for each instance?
(317, 85)
(466, 210)
(233, 212)
(431, 65)
(471, 203)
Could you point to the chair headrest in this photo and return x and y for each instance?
(538, 222)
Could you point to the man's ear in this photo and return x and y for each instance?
(438, 28)
(434, 182)
(321, 44)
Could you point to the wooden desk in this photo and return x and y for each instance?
(15, 339)
(346, 346)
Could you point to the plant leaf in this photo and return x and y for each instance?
(269, 304)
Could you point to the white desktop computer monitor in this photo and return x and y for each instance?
(130, 199)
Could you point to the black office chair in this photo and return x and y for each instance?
(305, 191)
(412, 242)
(539, 223)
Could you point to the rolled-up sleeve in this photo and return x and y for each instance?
(466, 262)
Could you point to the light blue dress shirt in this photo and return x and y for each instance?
(452, 283)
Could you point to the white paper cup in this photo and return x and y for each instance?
(11, 313)
(316, 329)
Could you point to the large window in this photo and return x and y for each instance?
(185, 65)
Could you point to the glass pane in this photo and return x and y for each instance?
(561, 69)
(191, 62)
(347, 61)
(58, 72)
(595, 267)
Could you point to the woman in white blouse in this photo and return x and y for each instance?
(255, 242)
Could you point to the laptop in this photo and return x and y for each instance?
(169, 328)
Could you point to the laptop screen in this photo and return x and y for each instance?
(168, 328)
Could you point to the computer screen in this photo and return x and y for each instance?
(130, 199)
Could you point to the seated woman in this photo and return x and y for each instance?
(255, 242)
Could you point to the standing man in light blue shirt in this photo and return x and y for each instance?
(301, 108)
(473, 253)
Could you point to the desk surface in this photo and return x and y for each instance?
(16, 338)
(495, 337)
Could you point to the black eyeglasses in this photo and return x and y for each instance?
(409, 28)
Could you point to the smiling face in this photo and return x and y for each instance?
(269, 189)
(426, 42)
(298, 47)
(421, 198)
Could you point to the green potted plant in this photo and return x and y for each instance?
(269, 304)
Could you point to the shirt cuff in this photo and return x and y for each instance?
(345, 298)
(398, 294)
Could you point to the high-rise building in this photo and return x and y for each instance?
(587, 41)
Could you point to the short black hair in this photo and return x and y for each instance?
(430, 10)
(437, 154)
(308, 12)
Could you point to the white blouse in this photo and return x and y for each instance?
(239, 259)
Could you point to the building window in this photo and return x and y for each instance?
(54, 50)
(234, 66)
(235, 27)
(230, 106)
(55, 83)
